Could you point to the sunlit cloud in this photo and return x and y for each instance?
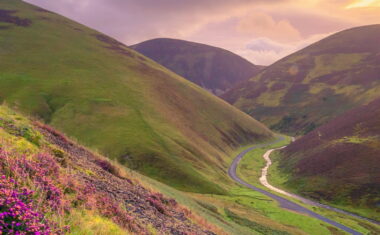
(262, 25)
(266, 44)
(265, 51)
(364, 3)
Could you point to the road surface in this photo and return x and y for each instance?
(284, 203)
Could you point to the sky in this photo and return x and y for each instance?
(262, 31)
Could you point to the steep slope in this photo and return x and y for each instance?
(212, 68)
(339, 162)
(308, 88)
(113, 99)
(50, 185)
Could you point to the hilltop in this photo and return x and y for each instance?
(310, 87)
(212, 68)
(112, 99)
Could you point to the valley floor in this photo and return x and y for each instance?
(245, 211)
(264, 181)
(248, 170)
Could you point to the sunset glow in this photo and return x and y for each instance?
(364, 3)
(261, 31)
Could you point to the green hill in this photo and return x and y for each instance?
(212, 68)
(308, 88)
(112, 99)
(339, 162)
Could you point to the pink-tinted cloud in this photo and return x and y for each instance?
(242, 26)
(134, 20)
(266, 51)
(258, 24)
(266, 44)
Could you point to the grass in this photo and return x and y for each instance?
(355, 139)
(114, 100)
(268, 207)
(85, 222)
(329, 63)
(253, 225)
(271, 99)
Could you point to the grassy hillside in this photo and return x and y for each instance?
(51, 185)
(339, 162)
(115, 100)
(308, 88)
(75, 191)
(213, 68)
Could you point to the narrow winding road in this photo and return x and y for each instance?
(264, 181)
(284, 203)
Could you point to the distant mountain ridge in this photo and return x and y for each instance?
(310, 87)
(212, 68)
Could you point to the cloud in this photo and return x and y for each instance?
(312, 21)
(262, 25)
(265, 51)
(364, 3)
(132, 21)
(266, 44)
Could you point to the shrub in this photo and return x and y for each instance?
(156, 200)
(58, 153)
(52, 131)
(108, 166)
(111, 209)
(40, 171)
(17, 215)
(30, 135)
(164, 200)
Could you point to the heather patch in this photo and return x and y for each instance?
(17, 210)
(39, 170)
(28, 192)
